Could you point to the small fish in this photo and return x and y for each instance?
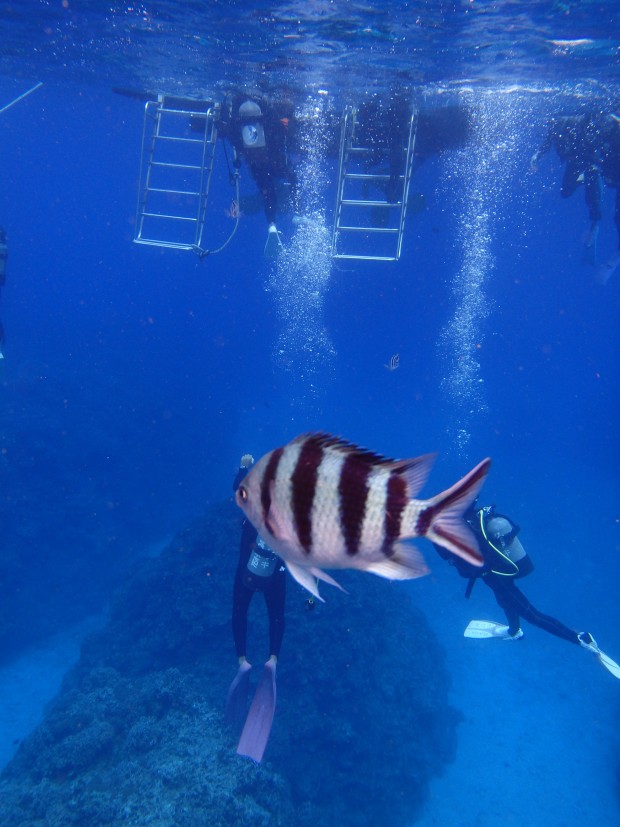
(393, 363)
(233, 211)
(320, 502)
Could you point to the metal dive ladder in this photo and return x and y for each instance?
(178, 147)
(364, 218)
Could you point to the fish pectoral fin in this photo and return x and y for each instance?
(406, 563)
(304, 577)
(322, 575)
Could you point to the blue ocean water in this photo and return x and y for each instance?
(135, 377)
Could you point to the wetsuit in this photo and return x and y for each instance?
(383, 123)
(575, 139)
(516, 605)
(610, 151)
(258, 570)
(502, 566)
(4, 253)
(268, 161)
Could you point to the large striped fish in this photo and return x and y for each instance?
(320, 502)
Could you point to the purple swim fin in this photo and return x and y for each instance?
(260, 717)
(237, 698)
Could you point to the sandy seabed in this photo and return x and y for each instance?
(538, 744)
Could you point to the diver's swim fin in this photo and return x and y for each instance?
(273, 245)
(486, 628)
(607, 269)
(260, 717)
(587, 641)
(237, 698)
(609, 664)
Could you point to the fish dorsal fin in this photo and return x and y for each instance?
(416, 471)
(324, 441)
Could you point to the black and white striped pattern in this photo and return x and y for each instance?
(334, 498)
(320, 503)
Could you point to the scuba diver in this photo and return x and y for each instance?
(383, 123)
(505, 560)
(258, 570)
(260, 133)
(576, 140)
(610, 168)
(387, 123)
(4, 254)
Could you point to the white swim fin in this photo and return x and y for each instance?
(487, 628)
(607, 269)
(609, 664)
(273, 245)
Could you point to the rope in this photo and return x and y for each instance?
(21, 97)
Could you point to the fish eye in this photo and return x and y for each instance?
(243, 494)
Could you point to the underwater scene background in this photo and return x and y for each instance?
(134, 378)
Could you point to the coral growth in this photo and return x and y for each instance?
(136, 736)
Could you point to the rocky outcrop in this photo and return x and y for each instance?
(136, 736)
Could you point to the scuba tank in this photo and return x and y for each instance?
(263, 561)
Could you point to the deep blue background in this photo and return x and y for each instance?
(152, 372)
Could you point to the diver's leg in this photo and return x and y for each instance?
(505, 600)
(242, 597)
(275, 593)
(536, 618)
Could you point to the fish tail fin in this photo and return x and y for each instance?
(441, 520)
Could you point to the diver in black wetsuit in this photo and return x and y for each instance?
(505, 560)
(576, 140)
(610, 168)
(383, 126)
(260, 132)
(258, 570)
(4, 254)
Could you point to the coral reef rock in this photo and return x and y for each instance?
(136, 736)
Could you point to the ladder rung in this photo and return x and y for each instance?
(173, 103)
(366, 258)
(181, 140)
(364, 176)
(349, 202)
(369, 229)
(172, 192)
(156, 242)
(162, 215)
(363, 149)
(175, 166)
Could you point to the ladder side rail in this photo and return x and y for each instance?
(413, 131)
(343, 161)
(208, 154)
(157, 117)
(348, 150)
(145, 169)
